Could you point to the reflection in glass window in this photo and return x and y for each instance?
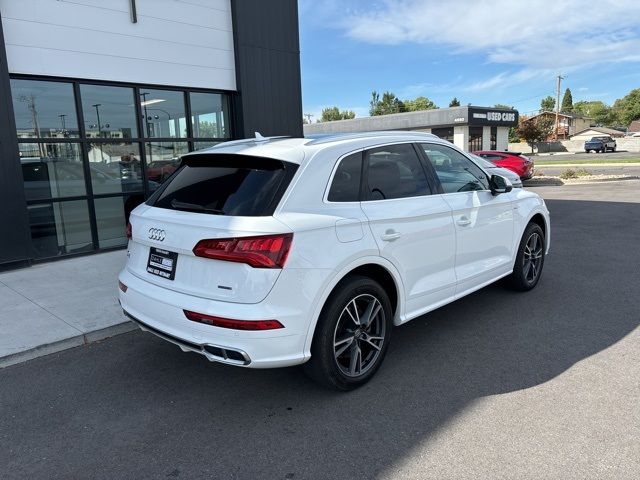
(163, 158)
(112, 215)
(44, 109)
(455, 171)
(108, 112)
(115, 167)
(60, 228)
(203, 145)
(52, 170)
(164, 114)
(209, 115)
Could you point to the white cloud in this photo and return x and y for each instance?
(543, 34)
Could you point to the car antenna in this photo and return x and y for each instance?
(260, 138)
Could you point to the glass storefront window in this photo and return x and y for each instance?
(63, 160)
(115, 167)
(162, 160)
(112, 214)
(209, 115)
(60, 228)
(52, 170)
(475, 139)
(44, 109)
(109, 112)
(203, 145)
(163, 113)
(445, 133)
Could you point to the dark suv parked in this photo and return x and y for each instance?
(600, 144)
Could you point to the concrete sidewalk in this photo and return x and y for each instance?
(58, 305)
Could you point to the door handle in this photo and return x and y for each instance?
(390, 236)
(464, 221)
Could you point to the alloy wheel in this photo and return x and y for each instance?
(532, 258)
(359, 335)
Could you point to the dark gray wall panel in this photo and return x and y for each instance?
(15, 239)
(267, 51)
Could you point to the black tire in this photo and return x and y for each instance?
(329, 369)
(523, 278)
(613, 149)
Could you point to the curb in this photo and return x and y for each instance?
(67, 343)
(558, 182)
(586, 165)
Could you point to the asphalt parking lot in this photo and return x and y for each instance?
(497, 385)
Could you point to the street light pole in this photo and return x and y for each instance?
(560, 78)
(97, 107)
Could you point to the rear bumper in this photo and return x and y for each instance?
(161, 311)
(527, 173)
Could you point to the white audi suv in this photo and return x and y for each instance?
(272, 252)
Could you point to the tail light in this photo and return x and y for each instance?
(122, 287)
(265, 251)
(128, 230)
(233, 324)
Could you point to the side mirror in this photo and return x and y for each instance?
(500, 184)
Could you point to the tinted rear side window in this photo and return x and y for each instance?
(223, 184)
(346, 182)
(395, 171)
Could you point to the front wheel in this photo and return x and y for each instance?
(529, 259)
(352, 335)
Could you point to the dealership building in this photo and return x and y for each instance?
(470, 128)
(100, 99)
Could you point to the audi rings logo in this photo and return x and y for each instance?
(156, 234)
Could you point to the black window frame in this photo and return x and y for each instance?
(141, 140)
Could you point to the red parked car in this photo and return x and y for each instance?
(514, 161)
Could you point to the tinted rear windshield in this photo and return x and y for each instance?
(224, 184)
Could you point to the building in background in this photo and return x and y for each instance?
(591, 132)
(100, 99)
(568, 123)
(470, 128)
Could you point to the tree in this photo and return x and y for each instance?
(513, 135)
(331, 114)
(567, 102)
(534, 130)
(548, 104)
(502, 105)
(599, 111)
(418, 104)
(454, 102)
(627, 108)
(386, 105)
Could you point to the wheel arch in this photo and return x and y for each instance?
(541, 219)
(377, 268)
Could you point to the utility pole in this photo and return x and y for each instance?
(560, 78)
(308, 117)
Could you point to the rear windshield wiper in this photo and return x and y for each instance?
(194, 207)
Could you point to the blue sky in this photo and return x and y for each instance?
(481, 51)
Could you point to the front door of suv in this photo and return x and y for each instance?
(483, 221)
(413, 229)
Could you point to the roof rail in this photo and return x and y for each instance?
(318, 139)
(258, 139)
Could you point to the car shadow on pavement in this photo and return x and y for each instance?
(136, 407)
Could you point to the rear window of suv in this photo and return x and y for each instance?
(224, 184)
